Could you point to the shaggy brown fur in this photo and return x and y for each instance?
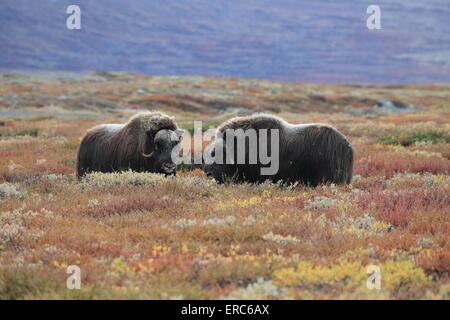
(116, 147)
(308, 153)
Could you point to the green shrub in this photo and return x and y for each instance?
(26, 283)
(206, 126)
(28, 132)
(410, 138)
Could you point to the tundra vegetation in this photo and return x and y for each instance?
(144, 235)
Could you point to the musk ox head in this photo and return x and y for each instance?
(159, 141)
(164, 146)
(237, 152)
(215, 163)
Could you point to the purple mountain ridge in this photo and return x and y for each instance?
(284, 40)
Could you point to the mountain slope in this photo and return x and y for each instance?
(289, 40)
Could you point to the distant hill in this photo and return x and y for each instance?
(287, 40)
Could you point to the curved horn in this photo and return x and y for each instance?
(149, 135)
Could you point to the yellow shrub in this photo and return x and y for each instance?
(402, 275)
(394, 275)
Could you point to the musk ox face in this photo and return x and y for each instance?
(211, 169)
(218, 165)
(166, 144)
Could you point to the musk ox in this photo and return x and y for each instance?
(144, 143)
(307, 153)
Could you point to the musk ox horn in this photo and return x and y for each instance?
(147, 155)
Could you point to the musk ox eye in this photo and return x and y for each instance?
(175, 143)
(179, 133)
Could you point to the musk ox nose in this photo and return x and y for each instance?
(210, 175)
(169, 167)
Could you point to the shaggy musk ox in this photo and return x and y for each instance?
(144, 143)
(307, 153)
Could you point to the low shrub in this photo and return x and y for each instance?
(27, 132)
(410, 138)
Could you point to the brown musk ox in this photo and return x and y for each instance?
(144, 143)
(306, 153)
